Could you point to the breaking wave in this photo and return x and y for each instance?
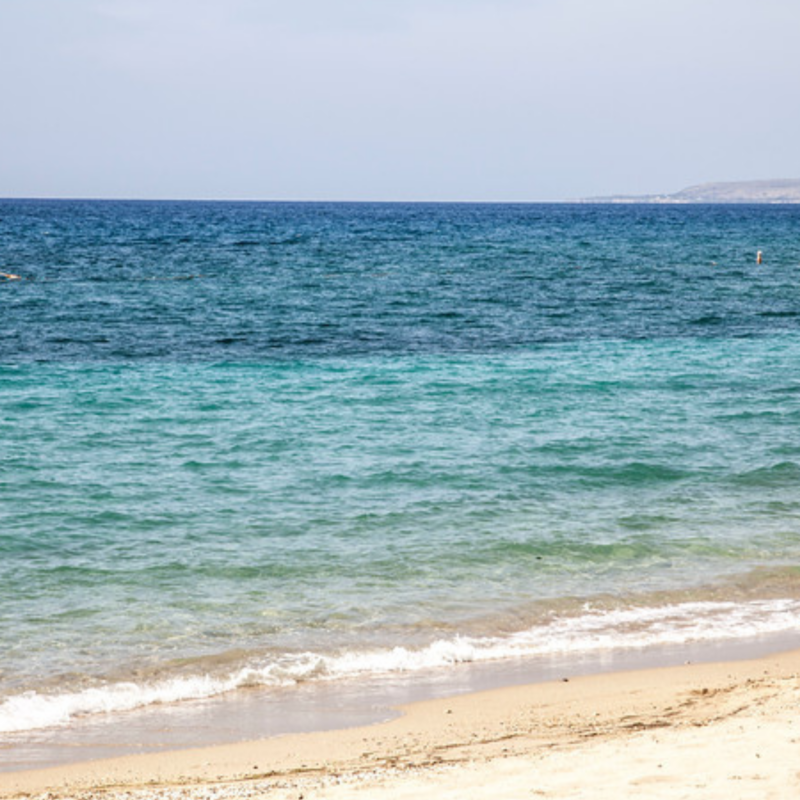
(595, 630)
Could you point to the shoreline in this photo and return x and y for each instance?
(516, 733)
(257, 713)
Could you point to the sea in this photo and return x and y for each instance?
(255, 453)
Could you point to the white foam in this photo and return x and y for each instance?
(593, 631)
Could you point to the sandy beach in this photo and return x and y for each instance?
(726, 730)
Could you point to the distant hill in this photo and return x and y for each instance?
(785, 190)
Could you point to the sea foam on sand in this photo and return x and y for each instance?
(593, 631)
(711, 731)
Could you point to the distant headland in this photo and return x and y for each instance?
(786, 190)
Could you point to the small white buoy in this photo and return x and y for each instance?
(758, 257)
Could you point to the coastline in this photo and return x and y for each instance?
(377, 457)
(728, 726)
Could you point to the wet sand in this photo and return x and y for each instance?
(726, 730)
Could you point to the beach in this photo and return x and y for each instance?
(379, 417)
(275, 470)
(727, 729)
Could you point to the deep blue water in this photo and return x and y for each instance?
(119, 281)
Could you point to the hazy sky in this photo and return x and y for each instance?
(394, 99)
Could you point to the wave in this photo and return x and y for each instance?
(594, 630)
(785, 473)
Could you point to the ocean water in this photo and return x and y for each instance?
(274, 444)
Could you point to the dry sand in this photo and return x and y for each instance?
(727, 731)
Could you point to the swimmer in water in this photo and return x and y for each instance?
(10, 276)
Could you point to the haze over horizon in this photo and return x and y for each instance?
(441, 100)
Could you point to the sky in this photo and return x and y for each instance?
(452, 100)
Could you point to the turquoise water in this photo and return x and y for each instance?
(268, 444)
